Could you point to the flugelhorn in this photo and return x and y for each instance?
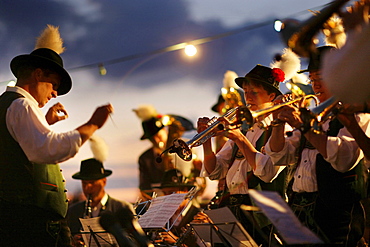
(236, 116)
(299, 36)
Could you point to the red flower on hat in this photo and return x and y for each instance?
(278, 74)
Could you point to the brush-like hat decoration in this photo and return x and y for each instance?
(334, 32)
(93, 168)
(46, 55)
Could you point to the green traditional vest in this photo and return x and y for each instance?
(23, 182)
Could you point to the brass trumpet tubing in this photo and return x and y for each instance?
(236, 115)
(203, 136)
(251, 116)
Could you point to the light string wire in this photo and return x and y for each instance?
(180, 45)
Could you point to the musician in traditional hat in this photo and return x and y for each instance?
(328, 175)
(242, 155)
(173, 181)
(160, 130)
(93, 178)
(32, 195)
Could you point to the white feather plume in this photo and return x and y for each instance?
(289, 62)
(99, 148)
(334, 32)
(50, 38)
(229, 79)
(145, 112)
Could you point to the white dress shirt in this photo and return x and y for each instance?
(343, 154)
(27, 124)
(236, 175)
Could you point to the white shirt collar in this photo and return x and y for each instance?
(20, 90)
(101, 206)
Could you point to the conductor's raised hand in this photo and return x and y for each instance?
(101, 115)
(56, 113)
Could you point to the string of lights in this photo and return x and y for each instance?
(103, 71)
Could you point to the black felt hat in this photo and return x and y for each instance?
(91, 169)
(151, 127)
(45, 58)
(265, 75)
(220, 101)
(315, 58)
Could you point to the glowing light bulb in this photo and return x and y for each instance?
(190, 50)
(102, 69)
(278, 25)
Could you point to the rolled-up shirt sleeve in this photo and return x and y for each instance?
(27, 125)
(343, 153)
(265, 169)
(222, 163)
(287, 155)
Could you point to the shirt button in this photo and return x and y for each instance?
(65, 190)
(299, 176)
(305, 160)
(60, 170)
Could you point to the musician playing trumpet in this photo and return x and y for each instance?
(328, 182)
(241, 160)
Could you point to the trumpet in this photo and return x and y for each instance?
(183, 149)
(236, 116)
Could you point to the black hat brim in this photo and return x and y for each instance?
(92, 177)
(66, 81)
(239, 81)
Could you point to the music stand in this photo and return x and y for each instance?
(94, 235)
(292, 231)
(162, 209)
(223, 228)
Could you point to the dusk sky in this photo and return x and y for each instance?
(110, 32)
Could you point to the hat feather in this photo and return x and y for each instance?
(146, 112)
(99, 148)
(50, 38)
(229, 79)
(334, 32)
(290, 63)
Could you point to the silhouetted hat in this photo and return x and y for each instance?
(155, 124)
(91, 169)
(174, 178)
(151, 127)
(315, 58)
(220, 101)
(185, 123)
(264, 75)
(45, 58)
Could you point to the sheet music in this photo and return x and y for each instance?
(161, 210)
(104, 238)
(283, 218)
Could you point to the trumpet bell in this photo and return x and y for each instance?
(182, 149)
